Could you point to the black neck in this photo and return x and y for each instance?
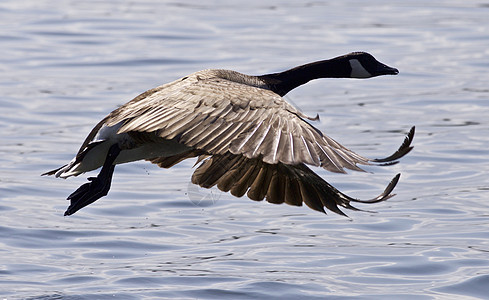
(284, 82)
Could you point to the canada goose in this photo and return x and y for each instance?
(246, 136)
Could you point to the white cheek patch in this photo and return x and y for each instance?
(357, 70)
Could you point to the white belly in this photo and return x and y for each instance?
(95, 158)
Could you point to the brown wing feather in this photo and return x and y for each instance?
(168, 162)
(277, 183)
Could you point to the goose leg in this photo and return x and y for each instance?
(97, 187)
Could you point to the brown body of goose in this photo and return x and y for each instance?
(248, 139)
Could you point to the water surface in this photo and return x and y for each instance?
(66, 64)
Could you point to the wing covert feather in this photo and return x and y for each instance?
(218, 115)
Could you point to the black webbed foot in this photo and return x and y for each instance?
(88, 193)
(97, 187)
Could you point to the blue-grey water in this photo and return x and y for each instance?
(65, 64)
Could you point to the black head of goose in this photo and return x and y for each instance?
(248, 139)
(353, 65)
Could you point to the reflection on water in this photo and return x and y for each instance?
(66, 64)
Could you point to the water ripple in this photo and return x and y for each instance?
(66, 64)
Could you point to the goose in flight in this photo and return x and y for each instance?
(247, 138)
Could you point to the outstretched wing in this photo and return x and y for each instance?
(217, 115)
(277, 183)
